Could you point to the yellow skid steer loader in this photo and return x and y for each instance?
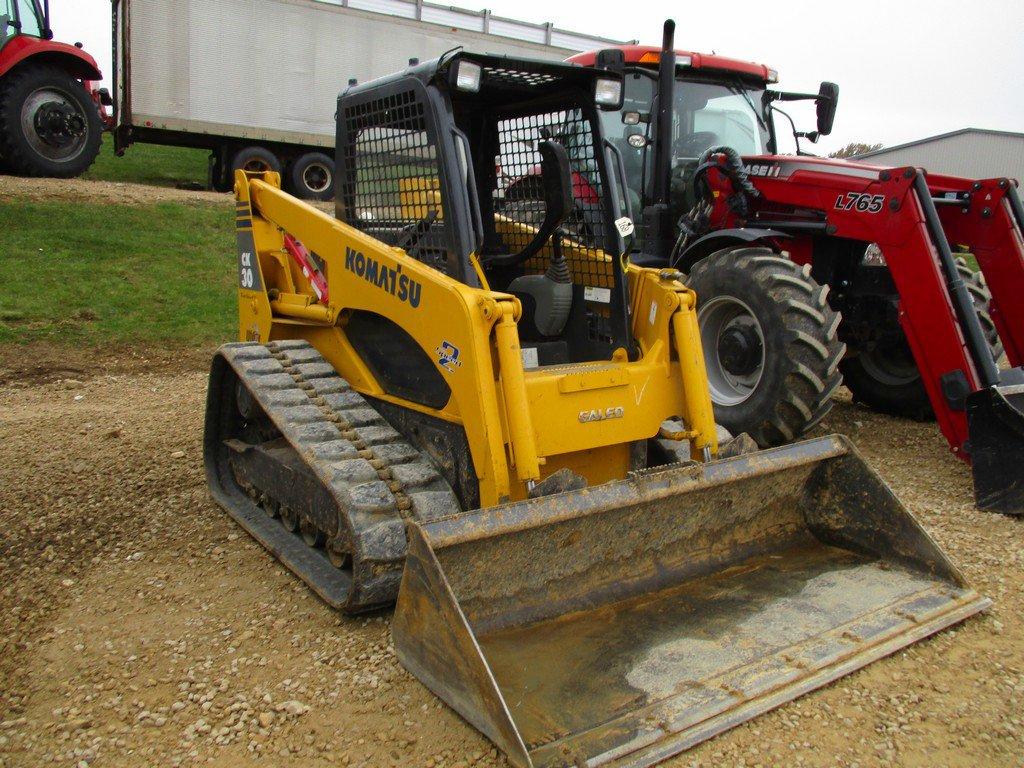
(468, 401)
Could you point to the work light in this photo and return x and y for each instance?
(608, 93)
(467, 77)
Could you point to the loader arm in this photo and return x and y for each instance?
(580, 417)
(884, 207)
(988, 218)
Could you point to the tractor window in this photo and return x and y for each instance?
(520, 206)
(715, 114)
(6, 18)
(591, 326)
(28, 15)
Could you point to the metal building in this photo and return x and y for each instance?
(976, 153)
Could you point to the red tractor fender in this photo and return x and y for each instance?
(74, 60)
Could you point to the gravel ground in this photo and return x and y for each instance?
(140, 627)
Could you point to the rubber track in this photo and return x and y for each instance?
(376, 478)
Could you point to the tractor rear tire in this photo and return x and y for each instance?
(770, 345)
(889, 382)
(49, 125)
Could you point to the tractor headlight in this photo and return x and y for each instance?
(873, 256)
(608, 93)
(467, 77)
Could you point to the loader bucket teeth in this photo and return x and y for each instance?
(995, 420)
(623, 623)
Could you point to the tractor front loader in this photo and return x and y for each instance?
(814, 272)
(473, 404)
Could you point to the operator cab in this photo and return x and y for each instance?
(497, 176)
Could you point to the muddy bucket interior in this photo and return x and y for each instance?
(623, 623)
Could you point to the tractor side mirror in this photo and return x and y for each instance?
(612, 59)
(825, 105)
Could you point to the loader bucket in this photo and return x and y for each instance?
(995, 421)
(624, 623)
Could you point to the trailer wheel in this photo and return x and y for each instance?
(312, 176)
(49, 125)
(770, 345)
(886, 379)
(255, 159)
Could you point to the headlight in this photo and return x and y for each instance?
(873, 256)
(608, 93)
(467, 78)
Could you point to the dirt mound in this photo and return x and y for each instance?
(141, 627)
(41, 363)
(121, 193)
(116, 192)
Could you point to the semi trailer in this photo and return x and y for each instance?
(256, 81)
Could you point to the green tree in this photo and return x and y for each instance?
(854, 148)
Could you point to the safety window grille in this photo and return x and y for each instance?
(390, 186)
(518, 196)
(518, 203)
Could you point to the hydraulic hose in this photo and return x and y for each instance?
(733, 167)
(695, 222)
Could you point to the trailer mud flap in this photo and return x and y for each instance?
(995, 423)
(624, 623)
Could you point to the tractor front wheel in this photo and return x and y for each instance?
(49, 125)
(769, 340)
(886, 379)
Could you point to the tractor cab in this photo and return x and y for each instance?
(22, 17)
(708, 110)
(712, 104)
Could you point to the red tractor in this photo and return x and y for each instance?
(51, 118)
(812, 272)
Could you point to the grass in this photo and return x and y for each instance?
(89, 273)
(150, 164)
